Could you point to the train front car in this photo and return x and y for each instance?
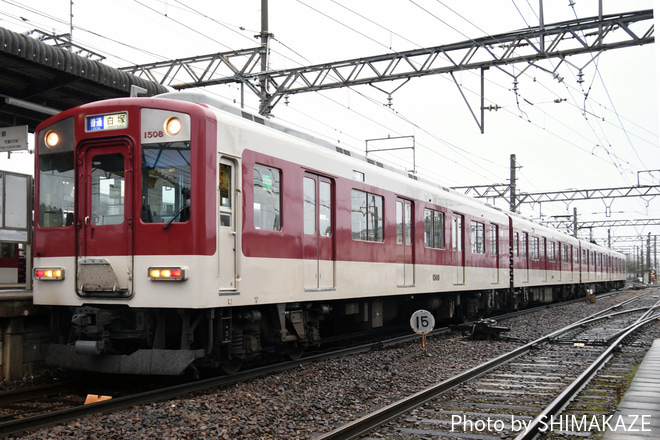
(125, 206)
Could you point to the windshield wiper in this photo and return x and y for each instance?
(179, 212)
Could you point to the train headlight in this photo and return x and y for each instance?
(49, 273)
(52, 139)
(173, 126)
(167, 273)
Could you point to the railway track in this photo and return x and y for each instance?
(517, 395)
(67, 398)
(119, 402)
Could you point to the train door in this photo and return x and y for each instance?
(525, 255)
(405, 268)
(227, 236)
(543, 255)
(494, 253)
(104, 225)
(458, 244)
(318, 239)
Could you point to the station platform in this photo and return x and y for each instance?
(638, 414)
(23, 327)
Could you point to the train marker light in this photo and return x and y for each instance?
(167, 273)
(49, 274)
(173, 126)
(52, 139)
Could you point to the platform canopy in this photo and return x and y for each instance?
(38, 79)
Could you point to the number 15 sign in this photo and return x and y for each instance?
(422, 322)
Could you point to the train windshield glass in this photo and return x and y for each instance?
(56, 189)
(166, 182)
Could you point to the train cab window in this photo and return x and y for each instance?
(166, 182)
(56, 189)
(267, 198)
(366, 216)
(477, 235)
(434, 229)
(107, 187)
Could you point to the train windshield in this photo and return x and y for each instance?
(166, 182)
(56, 189)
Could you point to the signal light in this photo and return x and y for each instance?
(167, 274)
(49, 274)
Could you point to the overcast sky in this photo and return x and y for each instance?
(592, 125)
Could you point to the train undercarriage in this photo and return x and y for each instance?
(172, 341)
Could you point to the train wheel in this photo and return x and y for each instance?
(231, 366)
(295, 351)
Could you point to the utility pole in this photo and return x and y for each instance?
(512, 184)
(265, 37)
(71, 25)
(648, 256)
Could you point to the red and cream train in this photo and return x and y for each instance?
(176, 231)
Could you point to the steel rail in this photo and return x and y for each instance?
(383, 415)
(119, 403)
(557, 405)
(116, 404)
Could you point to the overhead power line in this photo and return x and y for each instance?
(559, 40)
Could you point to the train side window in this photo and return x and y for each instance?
(551, 251)
(366, 216)
(493, 240)
(309, 206)
(524, 244)
(516, 249)
(224, 186)
(478, 238)
(457, 233)
(535, 248)
(434, 229)
(8, 250)
(267, 198)
(325, 209)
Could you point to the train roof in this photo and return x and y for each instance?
(521, 221)
(209, 100)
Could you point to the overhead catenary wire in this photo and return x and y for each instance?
(485, 169)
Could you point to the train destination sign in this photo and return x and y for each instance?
(112, 121)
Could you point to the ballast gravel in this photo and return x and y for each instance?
(313, 399)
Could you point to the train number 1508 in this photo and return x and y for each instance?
(153, 134)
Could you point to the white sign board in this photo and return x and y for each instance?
(15, 207)
(422, 322)
(14, 138)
